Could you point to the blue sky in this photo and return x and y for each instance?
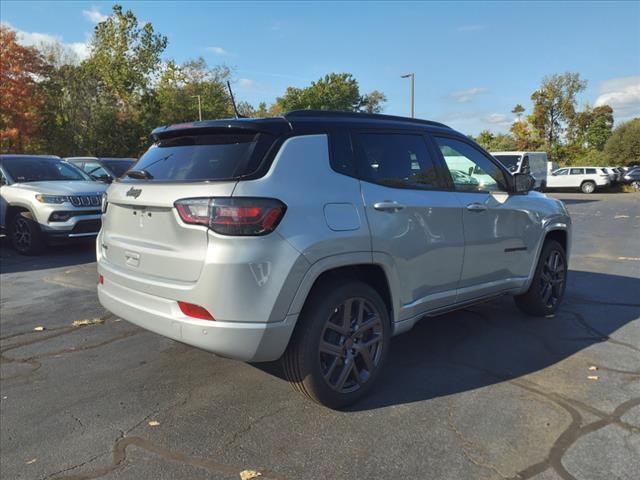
(473, 61)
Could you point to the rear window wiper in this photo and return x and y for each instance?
(139, 174)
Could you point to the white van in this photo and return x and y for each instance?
(533, 163)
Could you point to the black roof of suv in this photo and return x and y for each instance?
(302, 120)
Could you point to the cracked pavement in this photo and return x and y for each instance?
(484, 393)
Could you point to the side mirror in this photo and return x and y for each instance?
(523, 183)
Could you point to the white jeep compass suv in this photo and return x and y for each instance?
(44, 199)
(315, 237)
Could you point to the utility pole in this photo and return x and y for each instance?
(413, 77)
(199, 106)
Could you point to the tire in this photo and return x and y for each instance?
(588, 187)
(636, 185)
(549, 282)
(349, 362)
(26, 236)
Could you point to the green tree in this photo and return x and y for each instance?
(594, 127)
(335, 91)
(373, 102)
(178, 89)
(623, 146)
(554, 113)
(125, 56)
(501, 142)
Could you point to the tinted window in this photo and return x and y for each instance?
(341, 153)
(509, 161)
(471, 170)
(95, 170)
(396, 160)
(591, 170)
(35, 169)
(118, 167)
(201, 157)
(577, 171)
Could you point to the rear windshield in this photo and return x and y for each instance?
(40, 169)
(201, 157)
(509, 161)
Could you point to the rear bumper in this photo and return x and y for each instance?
(246, 341)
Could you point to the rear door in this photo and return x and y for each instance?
(142, 233)
(412, 218)
(576, 177)
(499, 231)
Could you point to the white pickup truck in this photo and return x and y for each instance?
(587, 179)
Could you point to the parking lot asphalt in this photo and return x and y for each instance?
(482, 393)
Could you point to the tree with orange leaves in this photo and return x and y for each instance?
(19, 102)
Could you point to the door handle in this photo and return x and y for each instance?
(476, 207)
(388, 206)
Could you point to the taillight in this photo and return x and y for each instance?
(195, 311)
(240, 216)
(100, 279)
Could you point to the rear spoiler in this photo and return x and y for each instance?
(274, 126)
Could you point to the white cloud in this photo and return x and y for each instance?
(622, 94)
(217, 50)
(471, 28)
(38, 40)
(94, 15)
(463, 96)
(245, 82)
(498, 119)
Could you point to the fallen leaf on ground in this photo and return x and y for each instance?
(593, 367)
(82, 323)
(39, 329)
(154, 423)
(29, 462)
(249, 474)
(593, 377)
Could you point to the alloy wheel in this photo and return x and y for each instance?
(22, 234)
(351, 345)
(552, 279)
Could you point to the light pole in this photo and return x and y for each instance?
(199, 106)
(413, 77)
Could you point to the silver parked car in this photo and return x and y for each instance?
(315, 237)
(44, 199)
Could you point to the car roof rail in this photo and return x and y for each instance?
(357, 115)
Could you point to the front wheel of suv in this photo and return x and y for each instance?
(340, 343)
(25, 234)
(549, 282)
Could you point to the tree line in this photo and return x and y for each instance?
(106, 104)
(569, 136)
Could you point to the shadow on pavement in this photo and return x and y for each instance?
(77, 253)
(493, 342)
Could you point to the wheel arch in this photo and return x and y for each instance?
(15, 209)
(354, 266)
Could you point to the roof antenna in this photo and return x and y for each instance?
(233, 101)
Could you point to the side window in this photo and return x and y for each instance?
(564, 171)
(341, 153)
(524, 167)
(95, 169)
(577, 171)
(471, 170)
(591, 170)
(396, 160)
